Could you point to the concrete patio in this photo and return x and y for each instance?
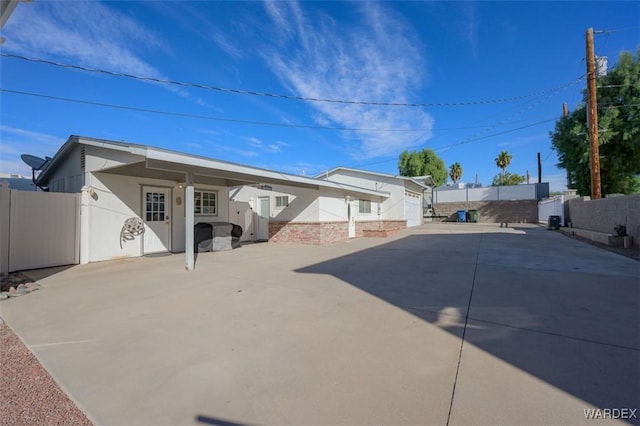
(444, 324)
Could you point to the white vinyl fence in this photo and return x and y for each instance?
(38, 229)
(551, 207)
(489, 193)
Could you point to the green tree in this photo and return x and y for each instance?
(619, 135)
(455, 172)
(502, 161)
(506, 178)
(423, 163)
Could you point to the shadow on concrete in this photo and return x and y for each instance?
(218, 422)
(559, 310)
(40, 274)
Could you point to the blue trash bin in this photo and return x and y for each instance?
(462, 215)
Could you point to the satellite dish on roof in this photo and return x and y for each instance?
(36, 163)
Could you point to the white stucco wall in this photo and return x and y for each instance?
(118, 198)
(391, 208)
(303, 202)
(332, 206)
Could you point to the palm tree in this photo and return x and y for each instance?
(455, 171)
(502, 161)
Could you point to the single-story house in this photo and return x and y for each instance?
(286, 213)
(406, 194)
(154, 197)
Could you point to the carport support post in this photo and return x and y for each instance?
(189, 221)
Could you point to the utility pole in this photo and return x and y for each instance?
(592, 118)
(539, 169)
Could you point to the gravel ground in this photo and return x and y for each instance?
(28, 394)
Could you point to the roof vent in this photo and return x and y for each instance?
(82, 158)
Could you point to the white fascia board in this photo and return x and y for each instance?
(366, 172)
(182, 161)
(261, 175)
(117, 146)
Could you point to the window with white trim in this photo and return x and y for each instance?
(282, 201)
(364, 206)
(205, 202)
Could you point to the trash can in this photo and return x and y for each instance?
(462, 215)
(554, 222)
(472, 216)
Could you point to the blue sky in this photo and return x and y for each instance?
(490, 76)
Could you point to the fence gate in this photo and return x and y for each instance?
(551, 207)
(44, 229)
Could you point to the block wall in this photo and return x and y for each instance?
(605, 214)
(516, 211)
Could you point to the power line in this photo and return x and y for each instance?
(468, 141)
(617, 106)
(230, 120)
(623, 29)
(289, 97)
(495, 134)
(197, 116)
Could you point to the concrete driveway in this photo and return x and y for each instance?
(453, 324)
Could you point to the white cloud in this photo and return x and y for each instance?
(34, 137)
(16, 142)
(378, 60)
(85, 33)
(469, 25)
(272, 148)
(255, 142)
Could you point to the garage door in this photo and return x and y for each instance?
(413, 209)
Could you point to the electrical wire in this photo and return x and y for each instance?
(231, 120)
(618, 106)
(197, 116)
(494, 134)
(623, 29)
(57, 98)
(282, 96)
(445, 147)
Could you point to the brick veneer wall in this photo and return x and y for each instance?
(316, 233)
(513, 211)
(320, 233)
(379, 225)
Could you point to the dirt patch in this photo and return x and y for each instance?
(28, 394)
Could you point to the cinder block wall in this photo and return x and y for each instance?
(516, 211)
(605, 214)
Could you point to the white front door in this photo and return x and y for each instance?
(351, 217)
(263, 218)
(156, 210)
